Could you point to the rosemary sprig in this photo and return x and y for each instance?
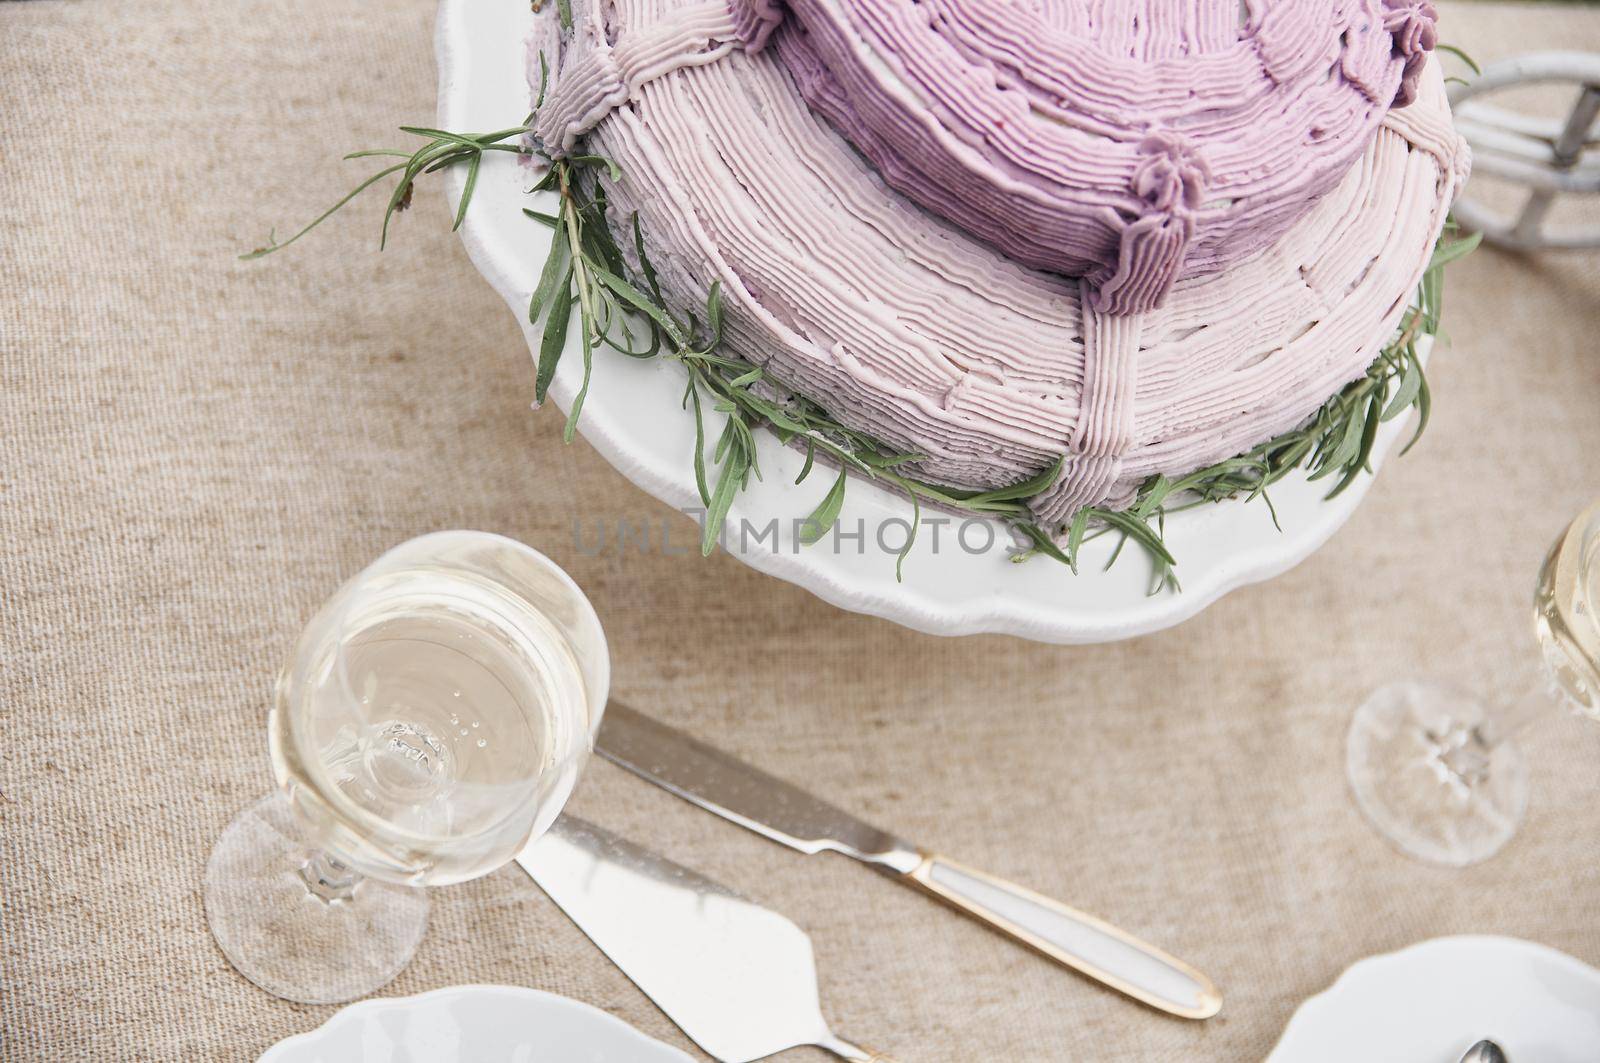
(586, 268)
(443, 149)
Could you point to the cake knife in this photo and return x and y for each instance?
(748, 796)
(738, 978)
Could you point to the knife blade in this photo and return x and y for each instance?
(738, 978)
(721, 783)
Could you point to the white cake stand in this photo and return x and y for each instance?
(952, 584)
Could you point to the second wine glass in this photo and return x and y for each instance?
(1437, 770)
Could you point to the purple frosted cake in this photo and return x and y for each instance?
(1143, 236)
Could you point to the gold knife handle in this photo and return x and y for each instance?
(1088, 945)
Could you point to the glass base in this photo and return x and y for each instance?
(296, 923)
(1423, 773)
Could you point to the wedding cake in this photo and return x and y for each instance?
(1142, 236)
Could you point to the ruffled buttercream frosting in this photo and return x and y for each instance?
(905, 326)
(1026, 121)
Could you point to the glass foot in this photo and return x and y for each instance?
(298, 924)
(1426, 776)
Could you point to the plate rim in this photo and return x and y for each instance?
(1304, 1013)
(358, 1009)
(905, 604)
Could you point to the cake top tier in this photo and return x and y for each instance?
(1128, 142)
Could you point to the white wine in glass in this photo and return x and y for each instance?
(1567, 615)
(433, 718)
(1436, 769)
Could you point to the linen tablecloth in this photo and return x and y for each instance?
(198, 449)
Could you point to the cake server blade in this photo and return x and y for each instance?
(738, 978)
(721, 783)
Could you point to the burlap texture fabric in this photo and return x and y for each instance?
(197, 449)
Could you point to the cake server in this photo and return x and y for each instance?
(721, 783)
(738, 978)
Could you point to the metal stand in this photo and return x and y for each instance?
(1549, 156)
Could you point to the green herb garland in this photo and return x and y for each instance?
(586, 269)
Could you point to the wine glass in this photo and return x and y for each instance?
(432, 719)
(1435, 769)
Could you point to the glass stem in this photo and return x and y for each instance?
(1461, 755)
(1518, 716)
(328, 879)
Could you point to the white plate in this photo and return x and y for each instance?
(633, 416)
(474, 1024)
(1431, 1002)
